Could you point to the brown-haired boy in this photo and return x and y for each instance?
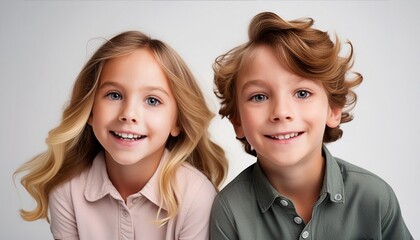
(286, 92)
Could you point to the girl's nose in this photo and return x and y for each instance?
(125, 119)
(129, 113)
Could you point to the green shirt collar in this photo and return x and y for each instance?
(333, 183)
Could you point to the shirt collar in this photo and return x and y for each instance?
(265, 192)
(98, 184)
(151, 189)
(333, 183)
(333, 179)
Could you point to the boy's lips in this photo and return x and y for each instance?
(284, 136)
(127, 136)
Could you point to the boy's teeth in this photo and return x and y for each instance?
(285, 136)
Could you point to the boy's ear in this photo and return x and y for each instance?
(237, 126)
(334, 117)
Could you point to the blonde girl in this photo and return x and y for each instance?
(131, 158)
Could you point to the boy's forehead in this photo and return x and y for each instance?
(258, 58)
(261, 54)
(264, 62)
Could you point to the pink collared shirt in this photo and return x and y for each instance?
(88, 207)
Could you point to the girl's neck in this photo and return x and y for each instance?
(130, 179)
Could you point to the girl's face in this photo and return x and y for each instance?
(134, 111)
(282, 115)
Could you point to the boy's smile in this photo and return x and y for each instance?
(282, 115)
(284, 136)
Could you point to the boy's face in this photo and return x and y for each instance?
(282, 115)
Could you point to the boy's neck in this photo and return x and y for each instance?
(301, 184)
(307, 174)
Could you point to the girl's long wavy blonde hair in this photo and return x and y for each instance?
(305, 51)
(72, 145)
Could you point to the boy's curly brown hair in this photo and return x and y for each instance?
(305, 51)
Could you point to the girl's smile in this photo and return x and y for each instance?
(134, 111)
(127, 139)
(127, 136)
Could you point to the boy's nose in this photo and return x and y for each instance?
(281, 111)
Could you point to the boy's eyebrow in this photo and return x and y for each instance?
(146, 88)
(258, 82)
(250, 83)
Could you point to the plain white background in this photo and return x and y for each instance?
(44, 44)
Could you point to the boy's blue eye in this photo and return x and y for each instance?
(114, 96)
(152, 101)
(259, 98)
(302, 94)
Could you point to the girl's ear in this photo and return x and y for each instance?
(90, 119)
(334, 117)
(237, 126)
(89, 122)
(175, 131)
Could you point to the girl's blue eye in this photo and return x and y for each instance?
(114, 96)
(259, 98)
(302, 94)
(152, 101)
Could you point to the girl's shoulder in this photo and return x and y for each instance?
(188, 174)
(76, 185)
(191, 182)
(190, 171)
(195, 193)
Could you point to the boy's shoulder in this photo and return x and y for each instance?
(353, 179)
(240, 187)
(242, 180)
(365, 188)
(358, 176)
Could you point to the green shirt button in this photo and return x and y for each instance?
(284, 203)
(338, 197)
(298, 220)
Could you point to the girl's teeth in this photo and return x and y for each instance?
(127, 136)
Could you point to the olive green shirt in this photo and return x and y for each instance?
(353, 204)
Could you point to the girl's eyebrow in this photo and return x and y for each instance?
(109, 83)
(146, 88)
(156, 88)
